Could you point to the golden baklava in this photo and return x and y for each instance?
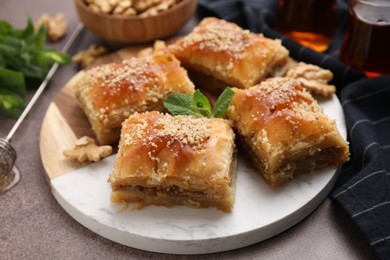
(218, 53)
(109, 93)
(284, 130)
(226, 52)
(169, 160)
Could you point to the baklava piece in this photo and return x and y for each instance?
(226, 52)
(169, 160)
(218, 53)
(284, 130)
(109, 93)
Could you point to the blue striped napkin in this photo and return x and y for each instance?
(363, 188)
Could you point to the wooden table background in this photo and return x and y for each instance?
(34, 226)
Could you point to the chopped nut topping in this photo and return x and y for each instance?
(185, 129)
(114, 75)
(135, 85)
(219, 36)
(85, 149)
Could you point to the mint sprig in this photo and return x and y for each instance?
(198, 105)
(23, 56)
(222, 103)
(202, 103)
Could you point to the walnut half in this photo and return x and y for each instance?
(56, 26)
(313, 78)
(88, 56)
(86, 149)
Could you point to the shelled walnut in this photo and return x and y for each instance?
(56, 26)
(313, 78)
(86, 149)
(88, 56)
(158, 45)
(143, 8)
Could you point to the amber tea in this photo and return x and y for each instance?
(312, 23)
(366, 45)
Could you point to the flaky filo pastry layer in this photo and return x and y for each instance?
(175, 160)
(284, 130)
(218, 53)
(109, 93)
(225, 51)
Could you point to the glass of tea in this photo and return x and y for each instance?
(366, 45)
(312, 23)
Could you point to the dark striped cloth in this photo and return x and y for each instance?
(363, 188)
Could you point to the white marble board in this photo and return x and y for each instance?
(259, 212)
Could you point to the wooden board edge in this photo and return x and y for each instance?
(55, 137)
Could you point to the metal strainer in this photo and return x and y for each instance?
(9, 174)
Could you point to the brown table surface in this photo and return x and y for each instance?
(34, 226)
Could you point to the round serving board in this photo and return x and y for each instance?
(82, 190)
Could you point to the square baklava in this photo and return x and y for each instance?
(284, 130)
(109, 93)
(224, 51)
(169, 160)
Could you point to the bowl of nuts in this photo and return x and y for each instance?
(134, 21)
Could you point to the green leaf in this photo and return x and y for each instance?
(12, 41)
(11, 104)
(28, 31)
(40, 37)
(12, 81)
(198, 105)
(202, 103)
(23, 51)
(55, 56)
(223, 102)
(181, 104)
(2, 62)
(5, 27)
(12, 92)
(8, 51)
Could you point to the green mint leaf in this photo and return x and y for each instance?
(181, 104)
(198, 105)
(202, 103)
(8, 51)
(11, 104)
(12, 81)
(5, 27)
(23, 51)
(55, 56)
(223, 102)
(12, 92)
(28, 31)
(40, 38)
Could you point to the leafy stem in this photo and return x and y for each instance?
(23, 55)
(198, 105)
